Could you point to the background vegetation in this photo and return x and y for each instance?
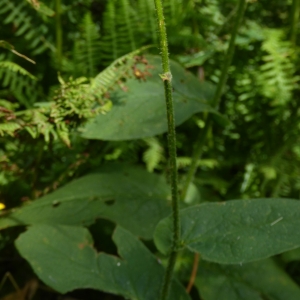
(48, 138)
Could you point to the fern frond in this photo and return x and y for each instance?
(146, 20)
(109, 41)
(72, 106)
(208, 163)
(183, 162)
(13, 67)
(33, 29)
(171, 8)
(154, 154)
(277, 74)
(8, 128)
(118, 35)
(41, 8)
(128, 22)
(21, 83)
(112, 74)
(87, 51)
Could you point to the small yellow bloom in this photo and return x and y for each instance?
(2, 206)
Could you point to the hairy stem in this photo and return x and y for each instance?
(198, 149)
(58, 32)
(167, 80)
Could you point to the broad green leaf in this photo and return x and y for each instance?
(236, 231)
(127, 195)
(252, 281)
(140, 111)
(63, 257)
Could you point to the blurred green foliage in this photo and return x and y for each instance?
(255, 153)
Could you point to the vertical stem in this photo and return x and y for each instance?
(167, 80)
(58, 32)
(294, 21)
(196, 156)
(220, 87)
(229, 54)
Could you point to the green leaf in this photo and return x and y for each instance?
(236, 231)
(63, 257)
(154, 154)
(253, 281)
(127, 195)
(140, 111)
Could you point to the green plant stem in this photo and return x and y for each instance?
(58, 33)
(196, 156)
(198, 149)
(167, 80)
(229, 54)
(294, 21)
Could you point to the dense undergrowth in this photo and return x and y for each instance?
(83, 144)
